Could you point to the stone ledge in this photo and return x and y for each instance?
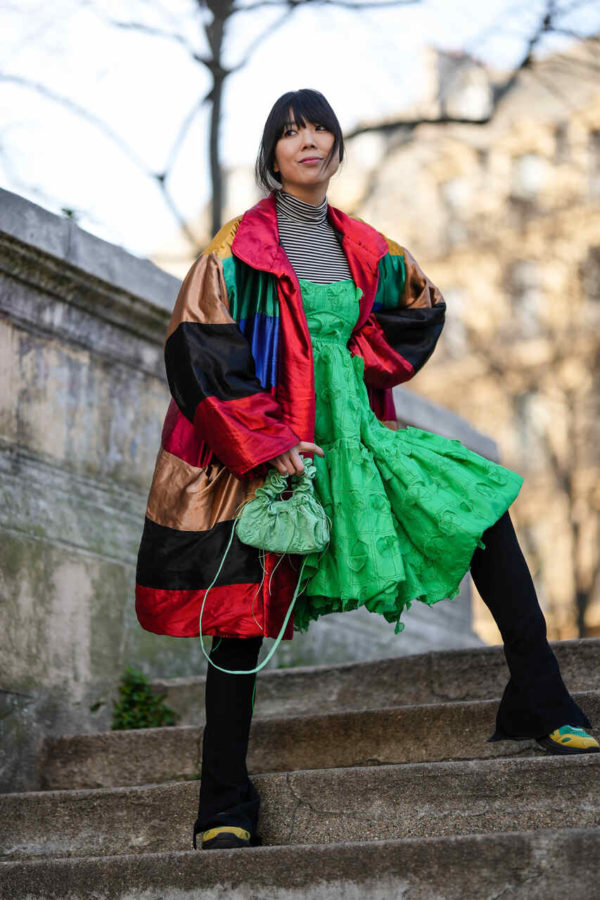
(84, 322)
(48, 275)
(319, 806)
(543, 864)
(432, 677)
(59, 237)
(370, 737)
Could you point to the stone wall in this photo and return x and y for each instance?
(81, 406)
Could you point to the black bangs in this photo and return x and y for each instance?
(306, 105)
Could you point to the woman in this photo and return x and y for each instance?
(288, 334)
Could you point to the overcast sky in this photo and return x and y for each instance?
(367, 64)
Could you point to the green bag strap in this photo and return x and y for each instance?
(277, 639)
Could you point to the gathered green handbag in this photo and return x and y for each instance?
(296, 525)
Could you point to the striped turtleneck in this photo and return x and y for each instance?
(311, 244)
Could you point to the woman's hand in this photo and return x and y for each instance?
(289, 463)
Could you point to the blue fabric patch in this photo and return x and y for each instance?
(262, 333)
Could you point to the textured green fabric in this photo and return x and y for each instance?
(407, 507)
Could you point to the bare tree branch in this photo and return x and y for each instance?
(185, 126)
(293, 4)
(79, 111)
(221, 12)
(500, 92)
(151, 31)
(268, 32)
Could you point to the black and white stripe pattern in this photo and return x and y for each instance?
(311, 244)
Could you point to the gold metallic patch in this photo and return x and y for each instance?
(419, 290)
(223, 239)
(188, 498)
(203, 295)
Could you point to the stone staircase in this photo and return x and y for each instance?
(376, 781)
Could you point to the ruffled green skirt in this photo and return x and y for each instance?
(407, 507)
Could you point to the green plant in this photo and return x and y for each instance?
(139, 706)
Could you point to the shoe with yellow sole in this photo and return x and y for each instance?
(569, 739)
(225, 836)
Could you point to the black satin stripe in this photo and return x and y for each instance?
(188, 560)
(209, 361)
(413, 333)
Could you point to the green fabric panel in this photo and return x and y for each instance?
(392, 277)
(251, 292)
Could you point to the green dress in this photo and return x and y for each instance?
(407, 507)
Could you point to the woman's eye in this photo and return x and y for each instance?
(318, 125)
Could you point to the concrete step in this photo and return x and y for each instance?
(436, 677)
(534, 865)
(424, 733)
(323, 806)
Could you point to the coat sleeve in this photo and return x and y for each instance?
(212, 375)
(405, 322)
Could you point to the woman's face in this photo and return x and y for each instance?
(300, 156)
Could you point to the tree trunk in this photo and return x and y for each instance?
(215, 32)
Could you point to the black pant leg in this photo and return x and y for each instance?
(227, 795)
(535, 700)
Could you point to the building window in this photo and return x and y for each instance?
(526, 295)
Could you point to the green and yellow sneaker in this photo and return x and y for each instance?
(225, 836)
(569, 739)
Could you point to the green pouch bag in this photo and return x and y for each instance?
(297, 525)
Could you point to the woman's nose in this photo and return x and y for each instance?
(309, 139)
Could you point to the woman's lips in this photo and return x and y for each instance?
(311, 161)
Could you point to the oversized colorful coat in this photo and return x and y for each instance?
(239, 364)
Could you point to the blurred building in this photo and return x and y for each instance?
(505, 218)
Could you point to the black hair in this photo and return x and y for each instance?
(306, 104)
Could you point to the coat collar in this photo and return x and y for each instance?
(256, 241)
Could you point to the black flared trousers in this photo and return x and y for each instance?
(534, 703)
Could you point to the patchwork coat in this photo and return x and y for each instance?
(239, 364)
